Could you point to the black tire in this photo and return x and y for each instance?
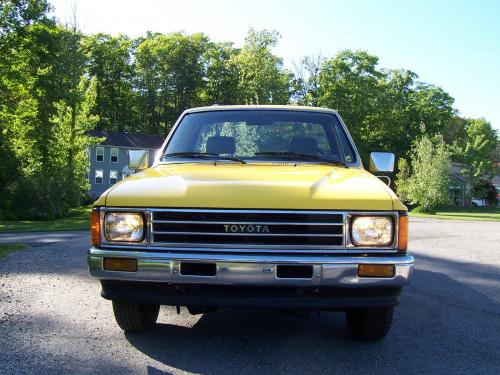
(369, 324)
(135, 317)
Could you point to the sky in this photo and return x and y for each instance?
(454, 44)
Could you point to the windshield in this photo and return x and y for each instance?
(260, 135)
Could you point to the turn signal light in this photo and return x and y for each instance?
(119, 264)
(403, 232)
(376, 270)
(95, 227)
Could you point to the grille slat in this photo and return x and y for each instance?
(284, 229)
(308, 230)
(247, 215)
(238, 222)
(250, 234)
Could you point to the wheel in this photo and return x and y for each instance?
(369, 324)
(135, 317)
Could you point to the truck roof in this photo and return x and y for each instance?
(260, 107)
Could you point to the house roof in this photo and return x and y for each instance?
(457, 176)
(133, 140)
(496, 180)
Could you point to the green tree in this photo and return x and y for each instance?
(477, 154)
(148, 84)
(409, 109)
(262, 78)
(403, 179)
(222, 74)
(46, 187)
(56, 84)
(455, 132)
(350, 83)
(41, 74)
(171, 71)
(109, 60)
(377, 104)
(306, 82)
(427, 184)
(16, 17)
(70, 125)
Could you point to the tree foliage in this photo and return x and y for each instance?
(262, 79)
(426, 180)
(170, 75)
(109, 61)
(378, 104)
(222, 74)
(403, 180)
(43, 112)
(306, 81)
(57, 84)
(476, 151)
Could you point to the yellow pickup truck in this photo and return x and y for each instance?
(254, 206)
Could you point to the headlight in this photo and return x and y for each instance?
(124, 226)
(372, 230)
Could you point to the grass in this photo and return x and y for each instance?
(6, 249)
(78, 219)
(464, 213)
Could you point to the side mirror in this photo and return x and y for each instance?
(158, 155)
(138, 159)
(381, 162)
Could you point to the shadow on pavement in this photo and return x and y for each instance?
(442, 326)
(448, 322)
(154, 371)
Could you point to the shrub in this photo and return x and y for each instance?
(425, 182)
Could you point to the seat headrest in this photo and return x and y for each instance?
(221, 145)
(303, 145)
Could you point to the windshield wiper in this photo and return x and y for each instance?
(299, 155)
(202, 155)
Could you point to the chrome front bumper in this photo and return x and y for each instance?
(251, 270)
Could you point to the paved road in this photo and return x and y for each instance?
(35, 239)
(52, 320)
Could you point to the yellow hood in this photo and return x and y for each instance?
(265, 186)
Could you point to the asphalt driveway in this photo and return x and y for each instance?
(52, 319)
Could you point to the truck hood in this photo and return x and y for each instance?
(263, 186)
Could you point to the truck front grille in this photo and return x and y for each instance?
(236, 229)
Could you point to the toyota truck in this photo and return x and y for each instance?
(254, 207)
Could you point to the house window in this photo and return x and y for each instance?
(98, 176)
(114, 155)
(113, 177)
(99, 153)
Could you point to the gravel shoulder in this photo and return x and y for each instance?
(52, 319)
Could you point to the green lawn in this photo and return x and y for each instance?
(79, 219)
(459, 213)
(6, 249)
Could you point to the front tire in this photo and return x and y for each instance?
(369, 324)
(135, 317)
